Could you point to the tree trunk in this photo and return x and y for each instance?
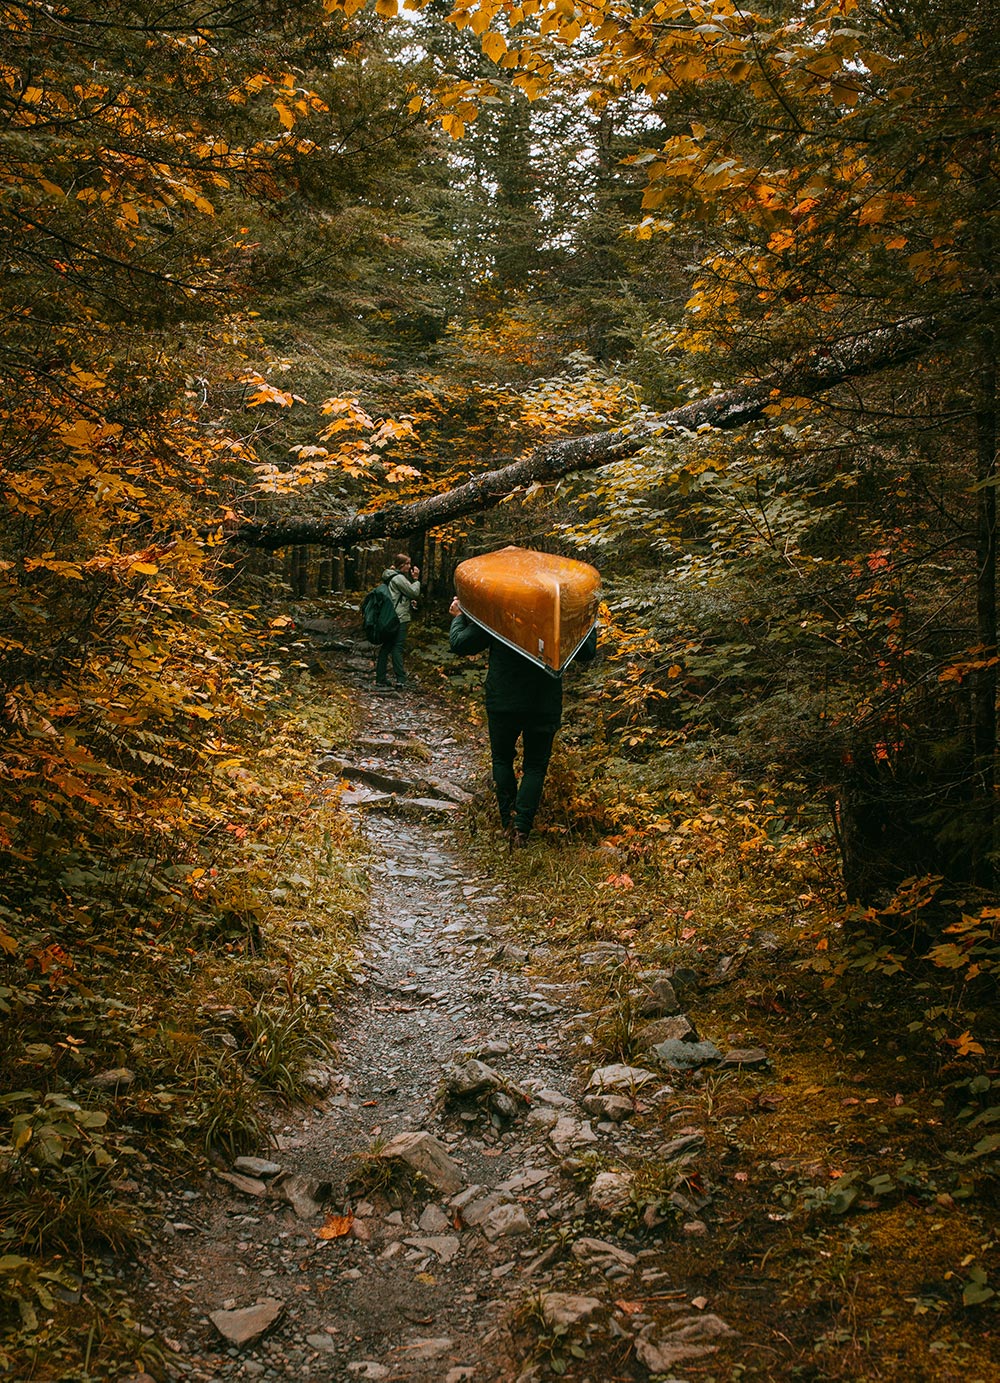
(985, 682)
(814, 373)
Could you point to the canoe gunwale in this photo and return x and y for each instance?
(553, 672)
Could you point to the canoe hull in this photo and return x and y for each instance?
(541, 605)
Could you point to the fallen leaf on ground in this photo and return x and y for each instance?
(335, 1227)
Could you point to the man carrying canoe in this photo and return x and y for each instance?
(523, 701)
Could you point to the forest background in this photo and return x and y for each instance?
(267, 268)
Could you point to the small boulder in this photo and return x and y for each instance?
(611, 1192)
(504, 1221)
(472, 1077)
(566, 1308)
(613, 1108)
(426, 1155)
(657, 996)
(248, 1323)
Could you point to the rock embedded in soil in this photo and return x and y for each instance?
(250, 1186)
(568, 1133)
(685, 1056)
(304, 1195)
(368, 1369)
(470, 1077)
(118, 1078)
(613, 1108)
(426, 1155)
(567, 1308)
(618, 1077)
(611, 1192)
(744, 1058)
(600, 1251)
(676, 1029)
(657, 995)
(256, 1167)
(685, 1146)
(687, 1338)
(504, 1221)
(247, 1323)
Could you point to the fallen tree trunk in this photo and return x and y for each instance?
(812, 374)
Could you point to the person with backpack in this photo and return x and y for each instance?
(523, 701)
(402, 581)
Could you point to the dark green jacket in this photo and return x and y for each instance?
(514, 685)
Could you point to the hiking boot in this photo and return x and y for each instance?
(518, 839)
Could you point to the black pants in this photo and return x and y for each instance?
(518, 802)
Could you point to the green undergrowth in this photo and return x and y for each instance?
(146, 1030)
(851, 1230)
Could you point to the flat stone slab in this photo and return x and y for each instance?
(256, 1167)
(426, 1155)
(443, 1246)
(685, 1056)
(247, 1323)
(618, 1077)
(744, 1058)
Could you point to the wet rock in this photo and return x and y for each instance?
(426, 806)
(448, 790)
(355, 773)
(685, 1056)
(613, 1108)
(611, 1192)
(675, 1029)
(422, 1151)
(256, 1167)
(567, 1308)
(602, 1252)
(618, 1077)
(118, 1078)
(248, 1323)
(470, 1077)
(744, 1058)
(504, 1221)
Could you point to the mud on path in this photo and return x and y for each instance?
(458, 1274)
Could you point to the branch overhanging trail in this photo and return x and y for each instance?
(821, 369)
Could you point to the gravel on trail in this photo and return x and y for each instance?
(467, 1091)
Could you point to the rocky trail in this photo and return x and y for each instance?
(426, 1219)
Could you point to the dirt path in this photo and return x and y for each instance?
(501, 1244)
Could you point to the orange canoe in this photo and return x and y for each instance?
(540, 605)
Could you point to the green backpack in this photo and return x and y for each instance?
(378, 615)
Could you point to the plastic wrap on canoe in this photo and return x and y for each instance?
(541, 605)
